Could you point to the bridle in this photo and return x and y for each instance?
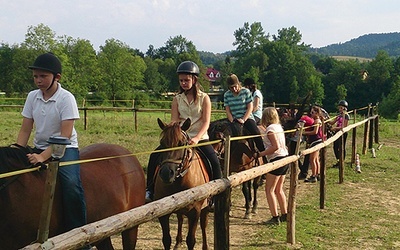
(220, 150)
(182, 164)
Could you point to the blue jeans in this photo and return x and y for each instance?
(73, 199)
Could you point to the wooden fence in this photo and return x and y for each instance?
(220, 188)
(134, 110)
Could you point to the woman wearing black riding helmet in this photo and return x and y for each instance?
(191, 103)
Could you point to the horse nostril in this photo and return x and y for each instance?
(171, 173)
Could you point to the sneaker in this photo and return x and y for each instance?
(149, 196)
(318, 177)
(311, 179)
(336, 165)
(302, 176)
(283, 218)
(273, 221)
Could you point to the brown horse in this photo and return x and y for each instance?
(180, 170)
(111, 186)
(241, 157)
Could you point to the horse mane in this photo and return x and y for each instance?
(12, 158)
(172, 135)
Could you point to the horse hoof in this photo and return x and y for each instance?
(178, 246)
(247, 216)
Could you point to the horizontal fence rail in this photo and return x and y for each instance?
(96, 231)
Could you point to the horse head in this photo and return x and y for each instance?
(174, 163)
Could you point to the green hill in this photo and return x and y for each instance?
(365, 46)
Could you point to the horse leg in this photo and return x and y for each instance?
(104, 244)
(203, 225)
(166, 238)
(256, 184)
(193, 219)
(247, 196)
(129, 238)
(179, 237)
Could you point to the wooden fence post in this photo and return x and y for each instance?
(222, 206)
(366, 132)
(44, 223)
(371, 134)
(85, 118)
(322, 184)
(291, 218)
(354, 141)
(377, 129)
(342, 148)
(376, 125)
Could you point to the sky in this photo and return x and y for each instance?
(210, 25)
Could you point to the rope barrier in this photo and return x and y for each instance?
(67, 163)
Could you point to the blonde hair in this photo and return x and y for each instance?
(270, 116)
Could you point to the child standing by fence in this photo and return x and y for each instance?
(275, 149)
(341, 121)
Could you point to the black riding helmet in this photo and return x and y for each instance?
(188, 67)
(343, 103)
(48, 62)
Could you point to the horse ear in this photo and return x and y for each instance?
(186, 125)
(161, 124)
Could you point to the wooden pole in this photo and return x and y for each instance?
(291, 218)
(376, 120)
(44, 223)
(341, 156)
(85, 123)
(222, 206)
(136, 122)
(371, 134)
(134, 116)
(322, 183)
(354, 141)
(366, 133)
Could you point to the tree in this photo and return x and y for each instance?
(40, 38)
(251, 61)
(121, 72)
(390, 106)
(379, 75)
(152, 76)
(82, 71)
(6, 68)
(249, 37)
(292, 37)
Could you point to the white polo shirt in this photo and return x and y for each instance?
(47, 115)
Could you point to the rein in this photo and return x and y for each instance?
(183, 164)
(221, 148)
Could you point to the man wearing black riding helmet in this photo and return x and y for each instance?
(52, 111)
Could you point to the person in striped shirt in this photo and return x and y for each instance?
(238, 103)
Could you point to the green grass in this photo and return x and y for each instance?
(361, 213)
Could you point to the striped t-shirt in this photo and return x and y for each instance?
(238, 104)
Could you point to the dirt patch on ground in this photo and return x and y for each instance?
(240, 228)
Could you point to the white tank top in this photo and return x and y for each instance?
(192, 110)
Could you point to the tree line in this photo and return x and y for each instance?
(281, 64)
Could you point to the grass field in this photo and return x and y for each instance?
(361, 213)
